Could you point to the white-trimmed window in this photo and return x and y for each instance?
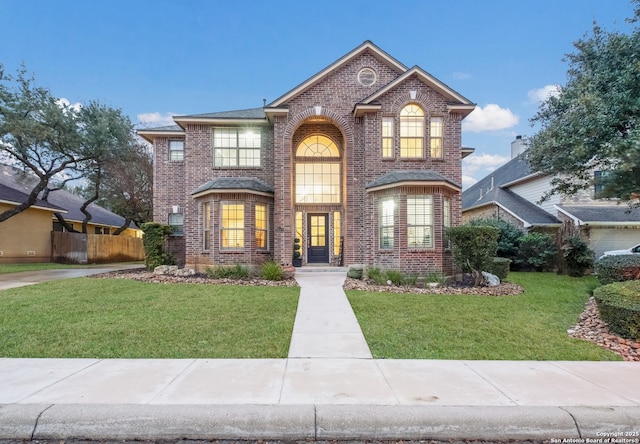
(206, 226)
(387, 137)
(317, 171)
(176, 221)
(231, 226)
(419, 222)
(176, 150)
(412, 132)
(261, 227)
(436, 137)
(387, 222)
(236, 147)
(446, 220)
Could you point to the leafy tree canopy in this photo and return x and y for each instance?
(593, 123)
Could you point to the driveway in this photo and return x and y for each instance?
(13, 280)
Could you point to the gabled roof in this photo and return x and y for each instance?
(167, 131)
(59, 200)
(234, 185)
(493, 190)
(456, 100)
(601, 214)
(410, 177)
(367, 46)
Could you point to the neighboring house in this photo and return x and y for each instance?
(512, 193)
(26, 237)
(362, 162)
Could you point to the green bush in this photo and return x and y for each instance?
(473, 248)
(395, 276)
(153, 243)
(376, 275)
(500, 267)
(508, 239)
(619, 305)
(229, 272)
(271, 271)
(625, 267)
(577, 256)
(538, 250)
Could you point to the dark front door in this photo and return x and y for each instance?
(318, 240)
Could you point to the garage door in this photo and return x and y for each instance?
(604, 239)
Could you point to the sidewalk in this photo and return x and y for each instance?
(313, 395)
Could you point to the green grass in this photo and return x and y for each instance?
(16, 268)
(117, 318)
(530, 326)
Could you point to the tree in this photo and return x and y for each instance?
(37, 132)
(127, 185)
(593, 123)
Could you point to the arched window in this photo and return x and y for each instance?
(412, 132)
(318, 181)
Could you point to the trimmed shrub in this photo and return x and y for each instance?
(500, 267)
(538, 250)
(153, 243)
(473, 248)
(625, 267)
(271, 271)
(619, 305)
(508, 239)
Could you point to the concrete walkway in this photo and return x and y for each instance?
(320, 392)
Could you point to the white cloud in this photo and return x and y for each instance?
(542, 94)
(479, 165)
(467, 181)
(156, 119)
(62, 102)
(461, 75)
(490, 118)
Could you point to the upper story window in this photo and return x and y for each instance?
(317, 171)
(412, 132)
(599, 179)
(387, 137)
(436, 137)
(236, 147)
(176, 150)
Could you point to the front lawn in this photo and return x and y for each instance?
(35, 266)
(529, 326)
(118, 318)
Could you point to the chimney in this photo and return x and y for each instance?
(518, 146)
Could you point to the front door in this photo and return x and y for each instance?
(318, 238)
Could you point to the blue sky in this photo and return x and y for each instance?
(154, 59)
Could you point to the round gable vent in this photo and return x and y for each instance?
(366, 77)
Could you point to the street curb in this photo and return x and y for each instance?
(321, 422)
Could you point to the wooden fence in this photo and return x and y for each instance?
(78, 248)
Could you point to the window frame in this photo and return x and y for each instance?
(427, 227)
(387, 139)
(408, 124)
(221, 161)
(264, 229)
(206, 226)
(386, 223)
(439, 138)
(175, 151)
(224, 229)
(180, 231)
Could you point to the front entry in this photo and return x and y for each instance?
(318, 239)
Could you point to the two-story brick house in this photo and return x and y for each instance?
(361, 162)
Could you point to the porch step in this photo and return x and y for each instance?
(321, 268)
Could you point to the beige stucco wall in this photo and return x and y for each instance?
(26, 237)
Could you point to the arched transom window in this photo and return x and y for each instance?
(318, 181)
(412, 131)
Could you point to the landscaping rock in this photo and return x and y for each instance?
(184, 272)
(492, 279)
(165, 269)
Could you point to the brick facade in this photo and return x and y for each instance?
(324, 105)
